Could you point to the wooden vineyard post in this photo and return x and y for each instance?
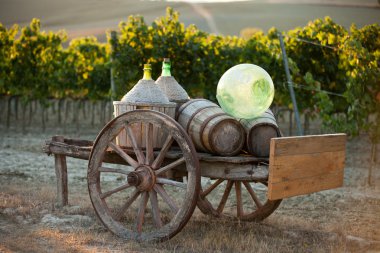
(61, 174)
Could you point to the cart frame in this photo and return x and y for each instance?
(296, 166)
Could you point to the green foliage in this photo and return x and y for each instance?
(318, 66)
(87, 71)
(34, 65)
(360, 61)
(36, 62)
(7, 53)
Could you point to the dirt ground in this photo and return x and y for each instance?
(340, 220)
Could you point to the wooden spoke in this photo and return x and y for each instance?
(124, 155)
(168, 142)
(149, 157)
(136, 148)
(239, 202)
(126, 212)
(225, 197)
(170, 166)
(263, 207)
(127, 204)
(141, 212)
(253, 194)
(155, 208)
(164, 195)
(212, 187)
(112, 170)
(161, 180)
(109, 193)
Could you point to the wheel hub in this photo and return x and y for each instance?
(143, 178)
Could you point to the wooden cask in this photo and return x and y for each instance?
(259, 132)
(211, 129)
(138, 130)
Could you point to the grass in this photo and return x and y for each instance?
(343, 220)
(279, 233)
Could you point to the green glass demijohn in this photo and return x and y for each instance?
(245, 91)
(172, 89)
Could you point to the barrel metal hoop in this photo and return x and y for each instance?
(265, 124)
(250, 132)
(195, 113)
(185, 105)
(203, 126)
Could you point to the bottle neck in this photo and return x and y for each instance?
(166, 69)
(147, 73)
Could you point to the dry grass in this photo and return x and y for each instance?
(344, 220)
(279, 233)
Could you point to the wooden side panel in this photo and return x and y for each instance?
(303, 165)
(309, 144)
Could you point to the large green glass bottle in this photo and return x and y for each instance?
(170, 86)
(245, 91)
(146, 91)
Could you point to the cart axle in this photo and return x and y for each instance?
(143, 178)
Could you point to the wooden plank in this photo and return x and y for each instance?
(307, 164)
(247, 172)
(287, 168)
(83, 152)
(284, 146)
(307, 185)
(174, 154)
(80, 143)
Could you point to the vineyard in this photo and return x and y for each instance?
(52, 86)
(335, 71)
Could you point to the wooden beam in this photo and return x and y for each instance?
(231, 171)
(81, 149)
(61, 174)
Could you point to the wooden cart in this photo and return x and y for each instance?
(149, 195)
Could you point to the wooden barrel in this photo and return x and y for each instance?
(211, 129)
(138, 129)
(259, 132)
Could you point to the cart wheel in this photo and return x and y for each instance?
(137, 201)
(247, 202)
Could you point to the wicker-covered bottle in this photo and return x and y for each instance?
(169, 85)
(144, 95)
(146, 91)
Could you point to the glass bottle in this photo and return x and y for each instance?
(166, 67)
(146, 91)
(245, 91)
(170, 86)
